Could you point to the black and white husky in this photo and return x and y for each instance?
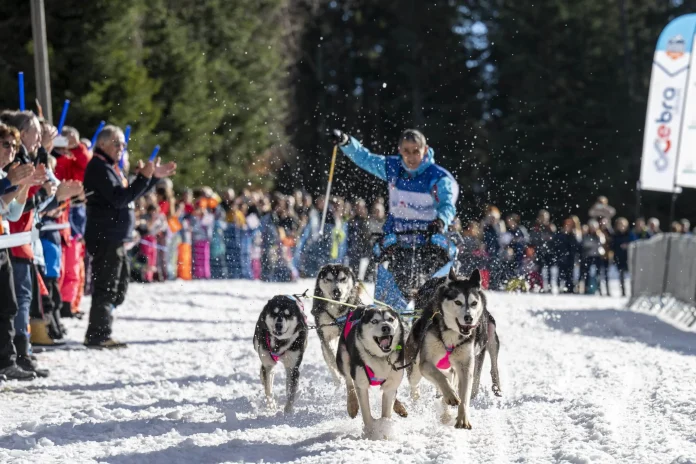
(335, 282)
(369, 354)
(450, 339)
(281, 336)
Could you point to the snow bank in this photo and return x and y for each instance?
(583, 381)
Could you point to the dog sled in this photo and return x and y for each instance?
(405, 261)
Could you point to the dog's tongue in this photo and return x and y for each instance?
(384, 342)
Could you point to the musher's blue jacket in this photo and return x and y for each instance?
(416, 197)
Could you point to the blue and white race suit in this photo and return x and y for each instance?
(416, 197)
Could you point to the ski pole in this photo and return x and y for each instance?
(328, 190)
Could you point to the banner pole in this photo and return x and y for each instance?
(668, 252)
(674, 181)
(672, 208)
(638, 200)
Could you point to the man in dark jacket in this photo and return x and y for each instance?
(567, 248)
(541, 236)
(620, 240)
(110, 222)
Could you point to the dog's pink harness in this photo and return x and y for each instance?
(444, 363)
(350, 323)
(276, 356)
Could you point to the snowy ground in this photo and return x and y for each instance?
(583, 381)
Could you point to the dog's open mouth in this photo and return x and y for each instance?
(465, 329)
(385, 342)
(277, 332)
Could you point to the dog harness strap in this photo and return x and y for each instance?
(274, 356)
(374, 381)
(444, 363)
(349, 324)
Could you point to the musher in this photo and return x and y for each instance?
(422, 198)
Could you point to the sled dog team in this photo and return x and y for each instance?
(368, 346)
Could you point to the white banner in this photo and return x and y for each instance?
(665, 111)
(686, 167)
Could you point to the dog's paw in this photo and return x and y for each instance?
(462, 423)
(379, 429)
(289, 409)
(497, 391)
(270, 403)
(400, 409)
(445, 416)
(450, 398)
(353, 405)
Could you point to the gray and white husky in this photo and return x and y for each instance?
(336, 282)
(281, 337)
(450, 339)
(369, 352)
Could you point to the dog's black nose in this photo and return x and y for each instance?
(468, 320)
(385, 329)
(337, 294)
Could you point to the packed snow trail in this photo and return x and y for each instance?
(583, 381)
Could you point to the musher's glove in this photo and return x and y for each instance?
(436, 227)
(339, 138)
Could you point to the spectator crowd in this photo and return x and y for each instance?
(79, 220)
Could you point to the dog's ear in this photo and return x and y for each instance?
(366, 315)
(350, 274)
(266, 307)
(397, 317)
(264, 312)
(359, 291)
(452, 276)
(317, 288)
(475, 278)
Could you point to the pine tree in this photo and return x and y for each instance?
(571, 83)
